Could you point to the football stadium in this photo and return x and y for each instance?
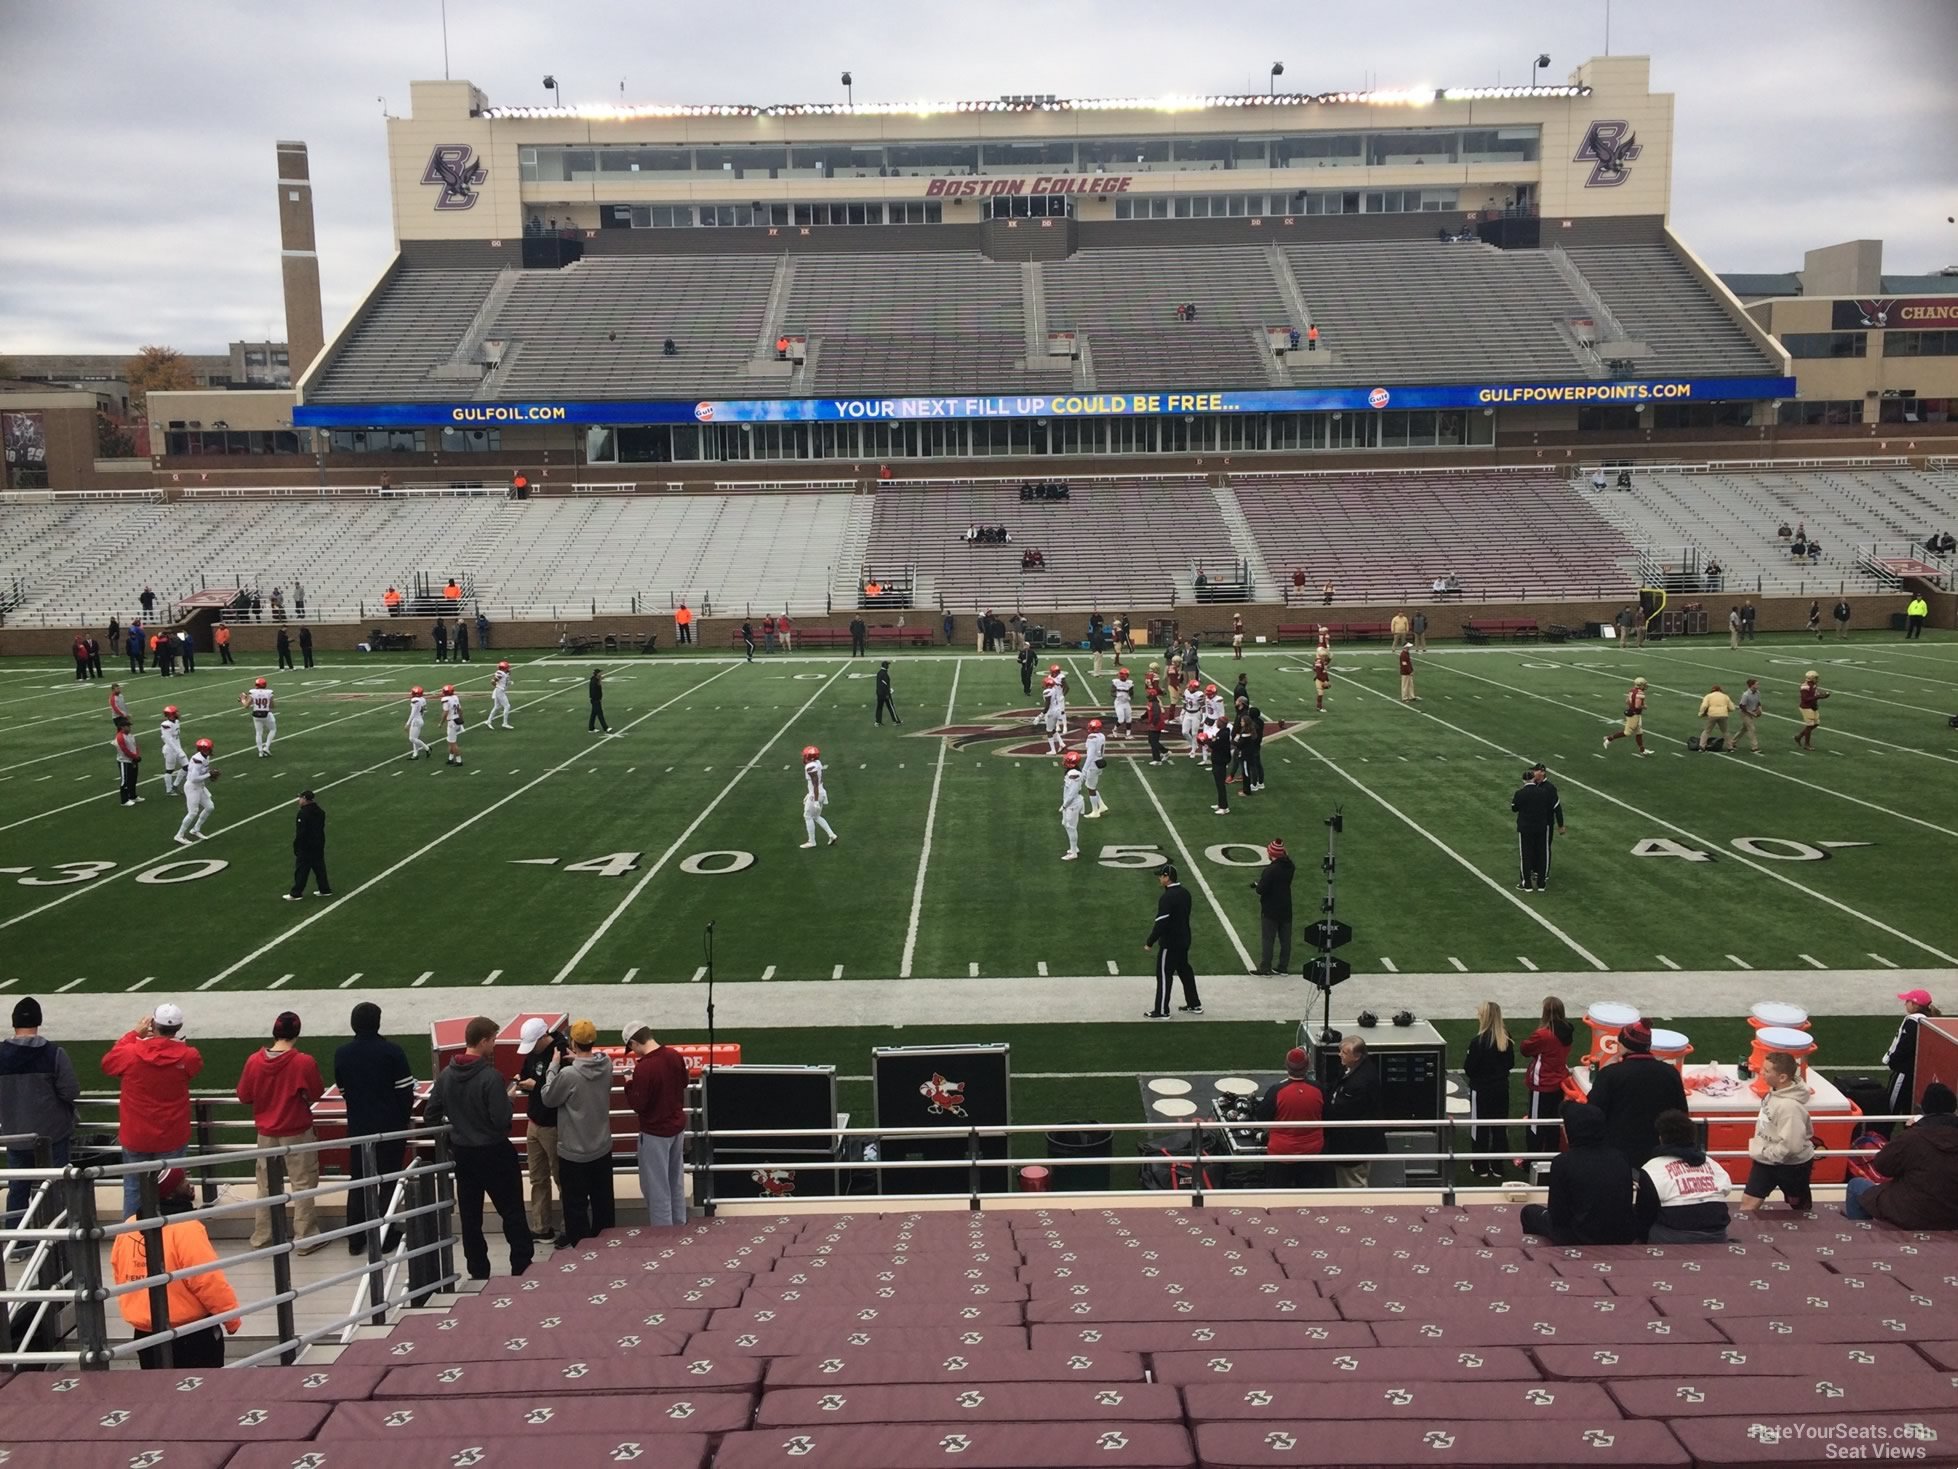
(1157, 781)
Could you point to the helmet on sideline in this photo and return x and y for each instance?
(204, 747)
(1072, 760)
(258, 683)
(447, 689)
(416, 691)
(1094, 726)
(504, 665)
(1121, 673)
(169, 711)
(810, 752)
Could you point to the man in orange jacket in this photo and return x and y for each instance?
(221, 635)
(194, 1298)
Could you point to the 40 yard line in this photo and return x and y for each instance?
(931, 821)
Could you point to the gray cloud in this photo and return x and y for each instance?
(136, 193)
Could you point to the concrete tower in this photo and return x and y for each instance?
(298, 260)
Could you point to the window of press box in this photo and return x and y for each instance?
(1807, 345)
(928, 158)
(1915, 410)
(1920, 344)
(1038, 206)
(233, 441)
(1702, 415)
(1834, 411)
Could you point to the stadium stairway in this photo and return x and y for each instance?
(1140, 1337)
(1245, 543)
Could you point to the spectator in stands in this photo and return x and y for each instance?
(657, 1092)
(1203, 581)
(194, 1298)
(535, 1046)
(883, 472)
(1633, 1091)
(1801, 530)
(278, 605)
(971, 533)
(298, 600)
(257, 606)
(1783, 532)
(1298, 580)
(1597, 479)
(579, 1085)
(452, 592)
(441, 631)
(280, 1083)
(1782, 1149)
(1715, 575)
(285, 648)
(1290, 1151)
(1592, 1188)
(38, 1090)
(1486, 1064)
(148, 599)
(1799, 547)
(1624, 479)
(1920, 1169)
(153, 1106)
(1292, 340)
(1814, 549)
(1682, 1193)
(1355, 1098)
(1438, 587)
(1326, 595)
(471, 1096)
(1312, 338)
(391, 599)
(1548, 1050)
(667, 348)
(1190, 312)
(374, 1077)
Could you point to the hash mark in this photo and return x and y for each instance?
(494, 975)
(421, 979)
(275, 984)
(1460, 967)
(1113, 967)
(350, 979)
(139, 984)
(1524, 961)
(1738, 962)
(1811, 961)
(1041, 968)
(1665, 961)
(1389, 965)
(972, 971)
(71, 984)
(698, 975)
(837, 972)
(1883, 961)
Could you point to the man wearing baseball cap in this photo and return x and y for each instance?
(153, 1105)
(1274, 890)
(1902, 1055)
(1292, 1151)
(536, 1047)
(1633, 1091)
(280, 1083)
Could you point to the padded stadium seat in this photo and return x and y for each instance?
(1434, 1402)
(566, 1450)
(1774, 1359)
(1653, 1397)
(909, 1289)
(1335, 1369)
(802, 1341)
(1563, 1255)
(1019, 1402)
(872, 1270)
(837, 1314)
(1403, 1295)
(683, 1373)
(142, 1420)
(1854, 1243)
(1381, 1445)
(1173, 1336)
(118, 1456)
(596, 1313)
(1926, 1280)
(1773, 1297)
(616, 1292)
(1804, 1442)
(1332, 1275)
(1661, 1277)
(858, 1367)
(652, 1414)
(968, 1445)
(1295, 1301)
(1532, 1324)
(497, 1346)
(1912, 1323)
(335, 1382)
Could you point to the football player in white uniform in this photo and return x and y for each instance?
(417, 711)
(1213, 707)
(1059, 676)
(452, 722)
(198, 776)
(170, 732)
(1093, 758)
(1071, 804)
(265, 719)
(1192, 715)
(1124, 689)
(815, 796)
(1054, 719)
(499, 696)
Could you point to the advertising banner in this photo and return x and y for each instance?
(24, 446)
(1895, 314)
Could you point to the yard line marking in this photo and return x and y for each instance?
(430, 846)
(627, 979)
(1811, 961)
(1500, 889)
(699, 974)
(71, 984)
(207, 984)
(139, 984)
(837, 972)
(1460, 967)
(350, 979)
(768, 973)
(1191, 869)
(421, 979)
(931, 823)
(493, 976)
(1881, 960)
(972, 971)
(667, 856)
(1674, 826)
(1524, 961)
(279, 982)
(1389, 965)
(1738, 962)
(1113, 967)
(1040, 968)
(1665, 961)
(10, 983)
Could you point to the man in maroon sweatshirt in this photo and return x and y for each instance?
(657, 1091)
(280, 1085)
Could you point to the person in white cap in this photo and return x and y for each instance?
(153, 1108)
(536, 1045)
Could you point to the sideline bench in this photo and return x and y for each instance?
(839, 637)
(1352, 632)
(1523, 629)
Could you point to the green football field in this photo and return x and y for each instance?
(556, 855)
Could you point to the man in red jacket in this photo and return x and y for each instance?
(1292, 1154)
(280, 1085)
(154, 1106)
(657, 1091)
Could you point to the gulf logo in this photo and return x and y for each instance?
(1378, 398)
(704, 411)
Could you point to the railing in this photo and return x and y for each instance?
(411, 1233)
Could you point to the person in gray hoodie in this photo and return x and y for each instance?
(473, 1097)
(580, 1087)
(37, 1098)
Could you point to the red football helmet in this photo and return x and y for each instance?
(169, 711)
(505, 665)
(1193, 683)
(1121, 673)
(258, 683)
(810, 752)
(447, 689)
(416, 691)
(1055, 669)
(1094, 726)
(1072, 760)
(1210, 688)
(204, 747)
(1048, 682)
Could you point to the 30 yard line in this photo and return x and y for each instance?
(931, 821)
(640, 886)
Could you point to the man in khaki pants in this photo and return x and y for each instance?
(1714, 711)
(1399, 628)
(280, 1084)
(534, 1047)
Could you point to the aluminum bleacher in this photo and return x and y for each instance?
(1505, 535)
(415, 322)
(1659, 302)
(1655, 1355)
(1125, 301)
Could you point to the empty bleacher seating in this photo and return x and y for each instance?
(1661, 303)
(413, 325)
(1125, 303)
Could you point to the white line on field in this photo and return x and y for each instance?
(71, 984)
(1389, 965)
(421, 979)
(1811, 961)
(768, 973)
(146, 979)
(1113, 967)
(1883, 961)
(931, 822)
(651, 872)
(1738, 962)
(1460, 967)
(699, 974)
(972, 971)
(10, 983)
(1040, 967)
(837, 972)
(279, 982)
(1665, 961)
(1524, 961)
(348, 981)
(1191, 869)
(427, 847)
(631, 973)
(493, 976)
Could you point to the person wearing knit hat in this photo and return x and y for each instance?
(280, 1084)
(1291, 1153)
(38, 1089)
(1633, 1091)
(1274, 890)
(192, 1299)
(1901, 1058)
(378, 1086)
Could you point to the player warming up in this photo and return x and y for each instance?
(499, 696)
(265, 718)
(1124, 690)
(452, 722)
(1322, 677)
(128, 760)
(1059, 676)
(1094, 760)
(1053, 717)
(815, 796)
(1071, 802)
(171, 735)
(417, 711)
(1192, 716)
(198, 776)
(1808, 699)
(1634, 718)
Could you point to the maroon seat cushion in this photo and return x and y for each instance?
(608, 1413)
(1417, 1299)
(1289, 1301)
(571, 1450)
(1434, 1402)
(333, 1383)
(1017, 1402)
(148, 1420)
(1796, 1358)
(967, 1445)
(1363, 1445)
(1334, 1369)
(1889, 1324)
(684, 1373)
(799, 1341)
(496, 1346)
(837, 1313)
(1805, 1442)
(1170, 1336)
(1531, 1325)
(858, 1367)
(911, 1288)
(120, 1455)
(1690, 1397)
(629, 1291)
(866, 1273)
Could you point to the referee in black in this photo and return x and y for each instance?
(596, 689)
(1539, 815)
(884, 700)
(1169, 936)
(309, 849)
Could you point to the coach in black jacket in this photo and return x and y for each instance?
(1356, 1098)
(1169, 936)
(374, 1077)
(1591, 1187)
(1633, 1091)
(1274, 890)
(1539, 812)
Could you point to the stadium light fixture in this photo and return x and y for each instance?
(1277, 71)
(849, 89)
(1542, 60)
(557, 93)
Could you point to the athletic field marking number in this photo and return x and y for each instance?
(71, 872)
(74, 872)
(1221, 854)
(188, 871)
(1118, 855)
(612, 864)
(724, 863)
(1775, 849)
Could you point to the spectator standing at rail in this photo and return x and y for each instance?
(153, 1106)
(535, 1047)
(657, 1091)
(193, 1298)
(148, 599)
(38, 1091)
(1291, 1153)
(1355, 1097)
(1548, 1051)
(280, 1084)
(378, 1087)
(1633, 1092)
(470, 1095)
(682, 624)
(1486, 1065)
(579, 1085)
(1782, 1150)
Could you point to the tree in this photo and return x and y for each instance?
(156, 370)
(112, 440)
(7, 368)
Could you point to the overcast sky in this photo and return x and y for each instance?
(136, 193)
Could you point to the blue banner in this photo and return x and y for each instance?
(1039, 405)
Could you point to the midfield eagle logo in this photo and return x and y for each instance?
(1017, 732)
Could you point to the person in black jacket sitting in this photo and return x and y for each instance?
(1591, 1188)
(1633, 1091)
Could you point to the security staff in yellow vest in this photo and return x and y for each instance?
(1914, 615)
(1715, 709)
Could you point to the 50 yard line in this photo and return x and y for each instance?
(931, 820)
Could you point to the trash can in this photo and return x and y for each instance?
(1034, 1179)
(1079, 1140)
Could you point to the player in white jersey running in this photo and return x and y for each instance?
(815, 796)
(171, 733)
(1059, 676)
(452, 722)
(1071, 801)
(1053, 717)
(265, 718)
(198, 776)
(1124, 690)
(1192, 716)
(1093, 758)
(417, 711)
(499, 696)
